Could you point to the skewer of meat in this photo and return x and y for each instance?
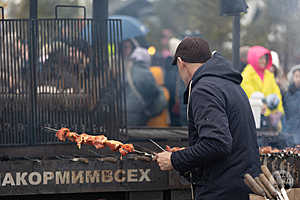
(98, 141)
(173, 149)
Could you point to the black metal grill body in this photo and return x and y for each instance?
(60, 73)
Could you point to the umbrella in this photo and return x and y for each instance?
(131, 27)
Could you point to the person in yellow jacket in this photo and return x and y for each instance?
(161, 120)
(257, 78)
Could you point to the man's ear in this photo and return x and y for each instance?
(179, 60)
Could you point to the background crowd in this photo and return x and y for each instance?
(263, 79)
(263, 75)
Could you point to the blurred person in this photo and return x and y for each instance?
(276, 69)
(55, 71)
(275, 64)
(176, 88)
(164, 41)
(257, 78)
(22, 58)
(5, 77)
(79, 55)
(163, 119)
(19, 72)
(243, 57)
(144, 98)
(291, 103)
(222, 136)
(67, 67)
(128, 47)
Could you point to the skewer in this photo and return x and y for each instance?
(157, 145)
(145, 153)
(50, 129)
(99, 141)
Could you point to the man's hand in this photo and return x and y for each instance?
(164, 160)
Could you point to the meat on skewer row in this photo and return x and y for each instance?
(98, 141)
(173, 149)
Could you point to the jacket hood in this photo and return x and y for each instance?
(217, 66)
(254, 54)
(275, 59)
(290, 74)
(141, 55)
(173, 44)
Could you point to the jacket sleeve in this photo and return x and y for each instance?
(276, 90)
(146, 85)
(214, 137)
(247, 84)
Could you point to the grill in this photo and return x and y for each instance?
(60, 73)
(286, 161)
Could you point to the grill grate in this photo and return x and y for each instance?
(60, 73)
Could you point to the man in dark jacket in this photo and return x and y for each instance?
(222, 134)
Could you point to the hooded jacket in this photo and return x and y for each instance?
(222, 134)
(291, 107)
(254, 54)
(256, 79)
(145, 85)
